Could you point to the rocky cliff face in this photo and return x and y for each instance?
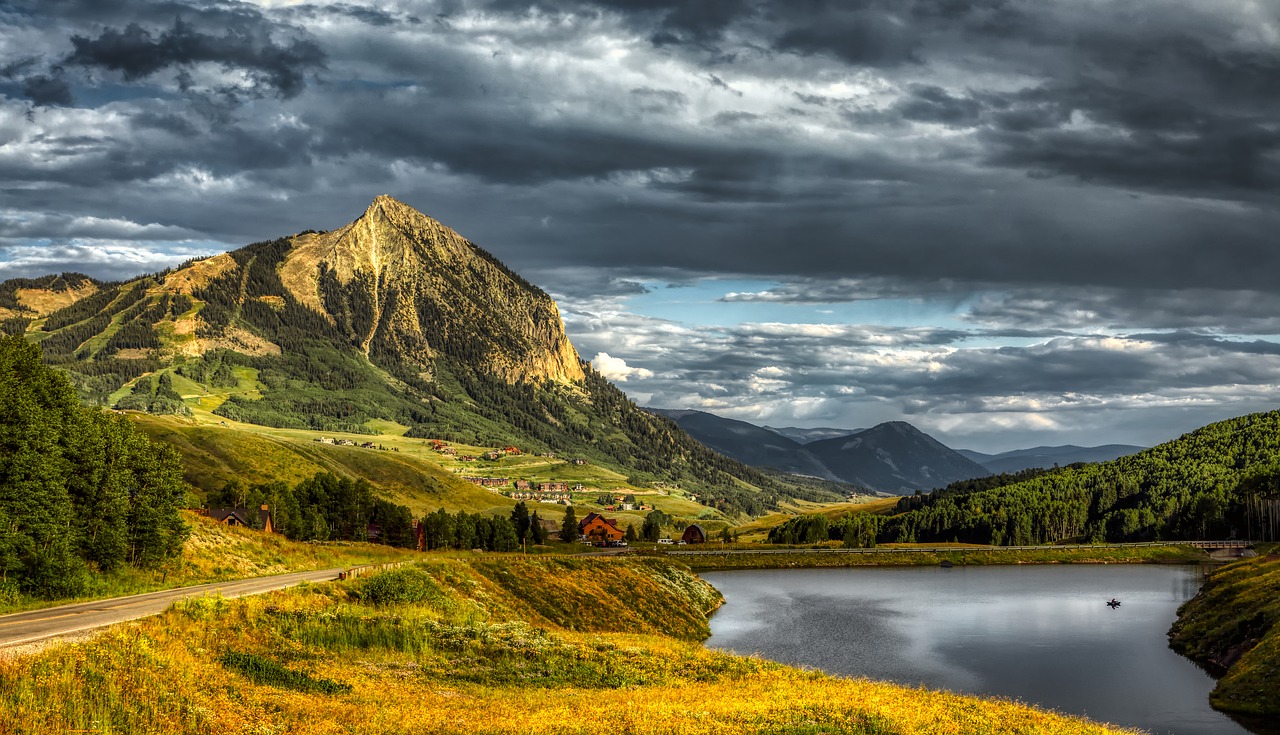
(407, 285)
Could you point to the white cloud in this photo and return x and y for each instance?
(616, 368)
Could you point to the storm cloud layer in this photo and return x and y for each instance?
(1073, 203)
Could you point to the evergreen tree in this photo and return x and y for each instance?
(76, 486)
(520, 521)
(537, 534)
(631, 533)
(569, 526)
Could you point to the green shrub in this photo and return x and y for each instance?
(9, 594)
(399, 586)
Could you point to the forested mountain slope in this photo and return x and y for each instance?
(1218, 481)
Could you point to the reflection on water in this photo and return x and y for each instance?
(1042, 635)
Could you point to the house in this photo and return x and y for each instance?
(522, 485)
(578, 461)
(368, 445)
(345, 443)
(599, 529)
(553, 487)
(694, 534)
(511, 450)
(241, 517)
(489, 481)
(493, 455)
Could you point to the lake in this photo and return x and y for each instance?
(1039, 634)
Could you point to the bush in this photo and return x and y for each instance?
(399, 586)
(9, 594)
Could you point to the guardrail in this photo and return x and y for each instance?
(941, 549)
(364, 569)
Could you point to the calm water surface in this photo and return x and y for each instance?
(1042, 635)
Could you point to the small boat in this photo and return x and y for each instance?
(1113, 603)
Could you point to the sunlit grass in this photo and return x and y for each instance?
(478, 652)
(1233, 626)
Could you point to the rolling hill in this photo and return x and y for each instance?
(394, 325)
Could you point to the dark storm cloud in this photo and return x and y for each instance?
(47, 90)
(138, 53)
(1047, 170)
(1229, 311)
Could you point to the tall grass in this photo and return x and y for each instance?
(1232, 627)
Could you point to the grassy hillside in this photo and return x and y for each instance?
(406, 471)
(1230, 627)
(449, 646)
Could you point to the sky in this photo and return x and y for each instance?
(1008, 222)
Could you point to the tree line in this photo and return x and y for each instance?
(80, 489)
(1220, 481)
(324, 507)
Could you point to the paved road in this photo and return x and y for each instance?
(27, 627)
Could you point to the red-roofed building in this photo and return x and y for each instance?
(600, 529)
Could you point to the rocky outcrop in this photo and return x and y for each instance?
(407, 285)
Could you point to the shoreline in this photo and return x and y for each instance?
(730, 559)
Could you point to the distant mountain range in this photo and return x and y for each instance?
(894, 457)
(1047, 457)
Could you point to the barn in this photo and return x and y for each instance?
(694, 534)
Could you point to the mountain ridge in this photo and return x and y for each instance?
(893, 457)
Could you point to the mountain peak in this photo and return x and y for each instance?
(399, 281)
